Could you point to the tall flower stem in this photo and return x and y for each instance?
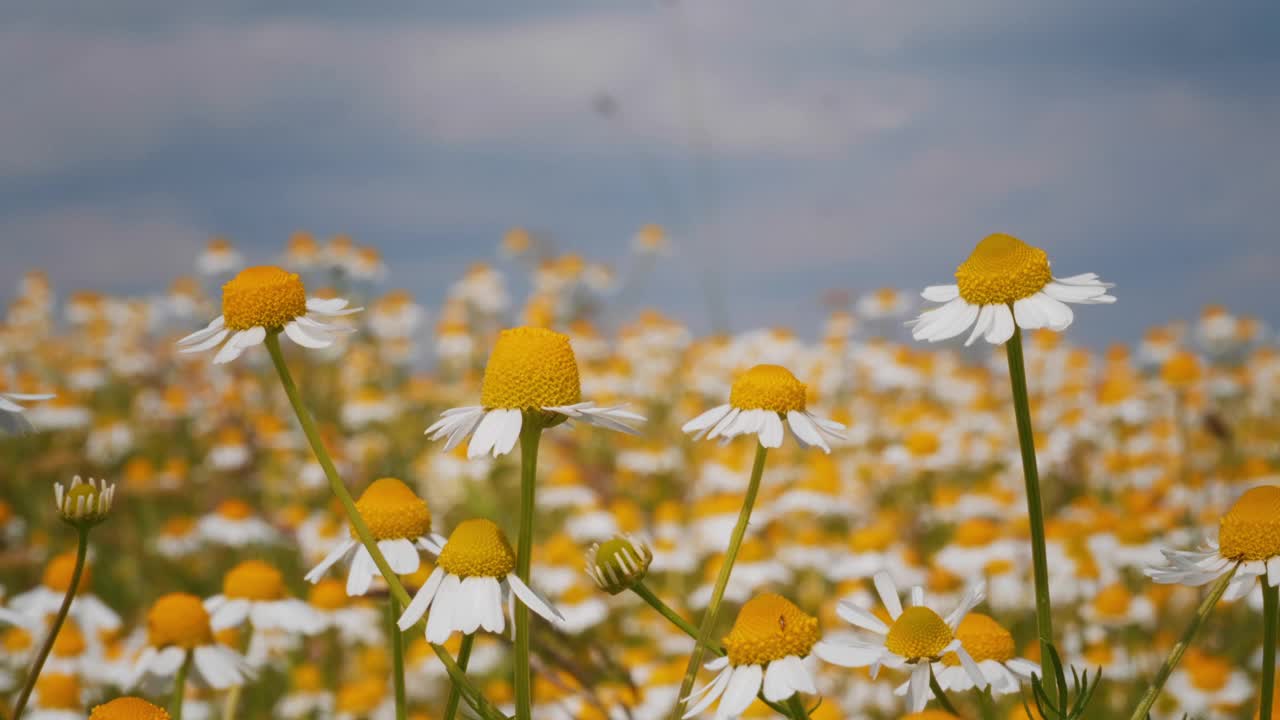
(939, 694)
(464, 657)
(180, 688)
(722, 581)
(1270, 601)
(308, 423)
(397, 657)
(1179, 648)
(1035, 511)
(82, 551)
(530, 435)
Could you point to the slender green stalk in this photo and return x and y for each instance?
(397, 657)
(796, 708)
(82, 551)
(232, 703)
(1031, 475)
(464, 657)
(708, 626)
(180, 688)
(473, 696)
(1179, 648)
(1270, 601)
(530, 435)
(941, 695)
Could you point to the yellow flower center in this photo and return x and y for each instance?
(976, 532)
(253, 580)
(263, 296)
(768, 387)
(361, 697)
(235, 510)
(922, 443)
(69, 643)
(770, 627)
(984, 639)
(178, 619)
(1113, 601)
(1209, 673)
(530, 368)
(477, 548)
(1250, 530)
(1181, 369)
(392, 511)
(57, 574)
(128, 708)
(918, 633)
(16, 640)
(58, 691)
(328, 594)
(1002, 269)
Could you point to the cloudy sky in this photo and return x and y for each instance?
(789, 147)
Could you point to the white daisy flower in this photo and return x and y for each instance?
(532, 373)
(760, 401)
(991, 646)
(1005, 281)
(178, 631)
(254, 592)
(266, 299)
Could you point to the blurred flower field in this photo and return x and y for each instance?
(843, 522)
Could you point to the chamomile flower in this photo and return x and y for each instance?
(991, 647)
(1005, 281)
(355, 620)
(57, 696)
(43, 601)
(1248, 543)
(178, 626)
(255, 592)
(128, 708)
(917, 637)
(9, 402)
(760, 401)
(264, 299)
(399, 521)
(233, 523)
(765, 650)
(532, 375)
(474, 578)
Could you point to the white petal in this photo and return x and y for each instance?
(970, 667)
(422, 600)
(494, 621)
(985, 317)
(304, 338)
(401, 555)
(859, 617)
(213, 327)
(208, 343)
(741, 691)
(771, 432)
(486, 434)
(806, 431)
(508, 432)
(801, 681)
(709, 692)
(532, 600)
(360, 574)
(337, 553)
(941, 293)
(706, 419)
(888, 594)
(1028, 315)
(441, 620)
(231, 350)
(777, 684)
(919, 688)
(848, 655)
(1001, 326)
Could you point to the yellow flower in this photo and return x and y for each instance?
(759, 401)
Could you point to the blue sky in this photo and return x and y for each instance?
(790, 148)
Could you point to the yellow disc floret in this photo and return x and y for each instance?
(128, 708)
(918, 634)
(530, 368)
(328, 594)
(1002, 269)
(178, 619)
(58, 691)
(477, 548)
(770, 627)
(392, 511)
(768, 387)
(253, 580)
(984, 639)
(263, 296)
(1250, 530)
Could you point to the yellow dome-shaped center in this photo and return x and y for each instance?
(768, 387)
(1250, 530)
(769, 627)
(69, 643)
(1002, 269)
(477, 548)
(263, 296)
(328, 594)
(529, 368)
(128, 708)
(918, 633)
(253, 580)
(179, 619)
(1208, 673)
(392, 511)
(57, 574)
(15, 640)
(58, 691)
(984, 639)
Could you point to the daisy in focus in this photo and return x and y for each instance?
(1248, 544)
(991, 646)
(474, 579)
(399, 521)
(766, 650)
(532, 375)
(177, 628)
(917, 637)
(264, 299)
(760, 400)
(128, 708)
(1005, 281)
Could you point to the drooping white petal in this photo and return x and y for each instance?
(508, 432)
(532, 600)
(741, 691)
(304, 338)
(706, 420)
(422, 600)
(859, 617)
(440, 623)
(941, 293)
(854, 655)
(771, 430)
(1001, 326)
(777, 685)
(919, 690)
(208, 343)
(337, 553)
(806, 431)
(486, 434)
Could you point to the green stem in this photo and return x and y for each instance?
(940, 695)
(180, 688)
(708, 626)
(796, 708)
(530, 435)
(82, 551)
(397, 657)
(1270, 601)
(1031, 475)
(464, 657)
(477, 701)
(1179, 648)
